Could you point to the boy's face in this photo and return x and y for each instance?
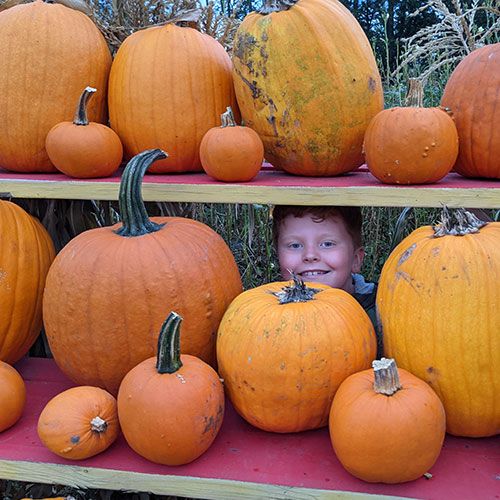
(321, 252)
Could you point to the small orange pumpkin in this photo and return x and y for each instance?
(386, 427)
(171, 406)
(231, 153)
(81, 148)
(411, 145)
(12, 396)
(79, 422)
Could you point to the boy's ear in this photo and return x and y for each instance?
(359, 255)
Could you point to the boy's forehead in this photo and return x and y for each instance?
(296, 223)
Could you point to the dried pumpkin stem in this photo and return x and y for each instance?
(276, 6)
(457, 222)
(296, 292)
(135, 219)
(227, 118)
(415, 97)
(97, 424)
(168, 359)
(386, 376)
(81, 109)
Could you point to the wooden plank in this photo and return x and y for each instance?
(243, 462)
(358, 188)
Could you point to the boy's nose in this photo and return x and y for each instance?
(310, 256)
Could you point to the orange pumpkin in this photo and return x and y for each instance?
(49, 52)
(171, 406)
(284, 348)
(385, 426)
(307, 82)
(107, 321)
(79, 423)
(167, 87)
(231, 153)
(26, 252)
(12, 396)
(438, 299)
(81, 148)
(471, 93)
(411, 145)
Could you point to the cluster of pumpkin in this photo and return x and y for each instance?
(167, 87)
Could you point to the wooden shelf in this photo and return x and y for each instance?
(357, 188)
(243, 461)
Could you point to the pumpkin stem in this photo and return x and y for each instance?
(415, 96)
(458, 222)
(296, 291)
(271, 6)
(168, 359)
(81, 109)
(227, 118)
(133, 212)
(97, 424)
(386, 376)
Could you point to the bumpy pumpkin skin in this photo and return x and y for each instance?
(26, 253)
(282, 363)
(471, 93)
(411, 145)
(48, 53)
(65, 425)
(438, 305)
(12, 396)
(307, 82)
(389, 439)
(167, 87)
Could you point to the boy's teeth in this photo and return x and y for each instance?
(312, 273)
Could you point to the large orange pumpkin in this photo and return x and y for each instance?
(438, 301)
(167, 87)
(48, 53)
(108, 288)
(284, 348)
(171, 406)
(386, 425)
(307, 82)
(471, 93)
(26, 252)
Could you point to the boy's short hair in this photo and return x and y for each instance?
(350, 215)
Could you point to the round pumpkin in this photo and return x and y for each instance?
(437, 300)
(167, 87)
(102, 324)
(170, 406)
(49, 52)
(231, 153)
(284, 348)
(26, 253)
(413, 144)
(307, 82)
(81, 148)
(12, 396)
(79, 423)
(386, 426)
(471, 94)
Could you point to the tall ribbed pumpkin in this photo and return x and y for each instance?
(307, 82)
(168, 86)
(439, 305)
(26, 252)
(472, 95)
(108, 289)
(48, 54)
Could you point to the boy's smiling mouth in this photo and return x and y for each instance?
(314, 272)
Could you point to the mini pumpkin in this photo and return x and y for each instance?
(231, 153)
(81, 148)
(171, 406)
(386, 425)
(12, 396)
(79, 423)
(412, 144)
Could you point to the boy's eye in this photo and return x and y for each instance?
(327, 244)
(294, 246)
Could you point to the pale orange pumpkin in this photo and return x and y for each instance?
(79, 423)
(386, 426)
(81, 148)
(12, 396)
